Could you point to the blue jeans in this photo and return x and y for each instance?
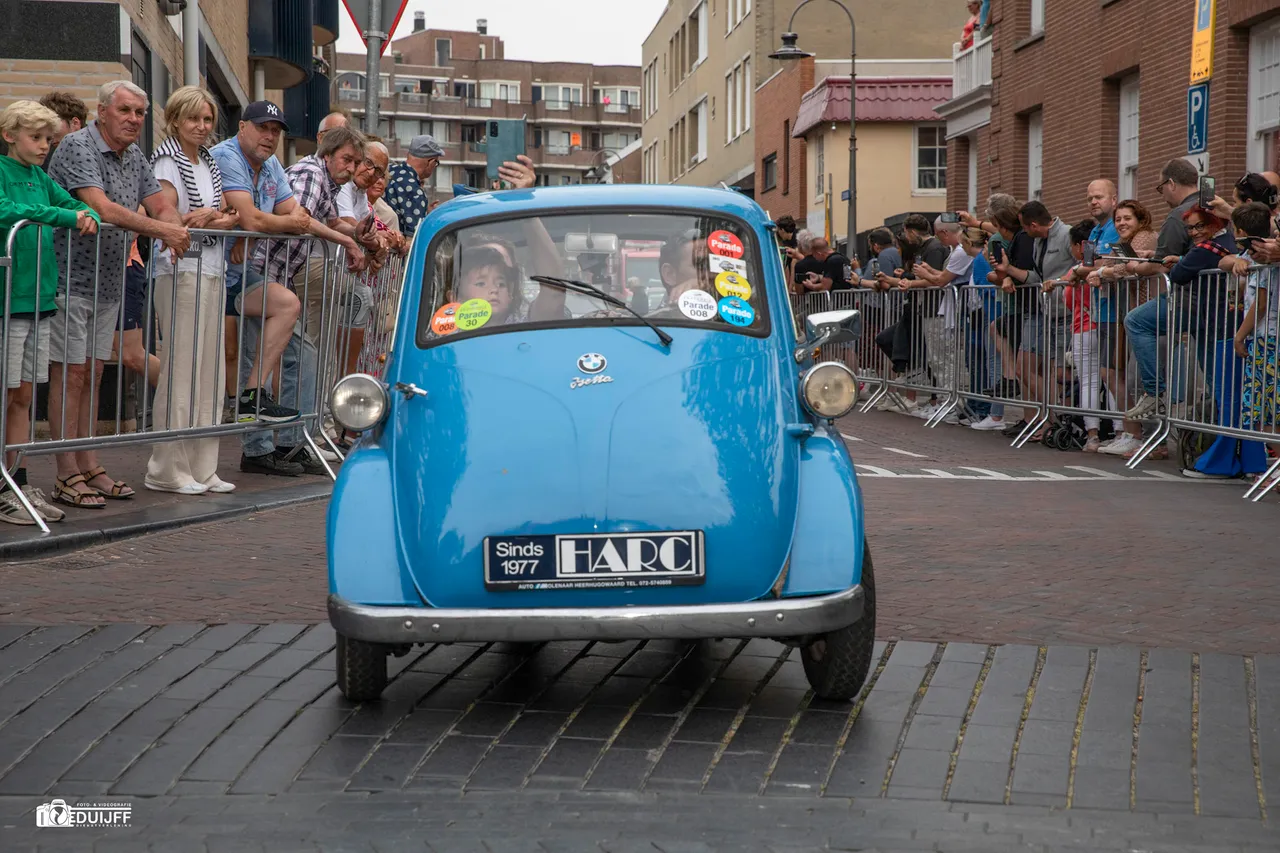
(979, 364)
(1148, 322)
(297, 385)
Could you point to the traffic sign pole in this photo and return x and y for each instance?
(373, 37)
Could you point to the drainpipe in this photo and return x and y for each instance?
(259, 82)
(191, 43)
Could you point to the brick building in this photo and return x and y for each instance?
(447, 83)
(1065, 92)
(781, 160)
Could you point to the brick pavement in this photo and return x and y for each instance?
(236, 731)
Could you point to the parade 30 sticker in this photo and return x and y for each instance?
(444, 322)
(473, 314)
(724, 243)
(720, 264)
(732, 284)
(737, 311)
(697, 305)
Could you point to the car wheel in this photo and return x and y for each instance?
(362, 669)
(837, 663)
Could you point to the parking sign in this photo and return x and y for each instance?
(1198, 118)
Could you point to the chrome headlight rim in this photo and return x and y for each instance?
(808, 378)
(371, 386)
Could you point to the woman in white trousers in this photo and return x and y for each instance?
(190, 301)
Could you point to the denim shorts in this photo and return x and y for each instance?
(135, 296)
(251, 282)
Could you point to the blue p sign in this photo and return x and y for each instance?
(1198, 118)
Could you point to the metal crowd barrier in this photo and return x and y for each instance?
(180, 358)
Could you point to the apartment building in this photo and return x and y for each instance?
(1034, 115)
(580, 117)
(705, 60)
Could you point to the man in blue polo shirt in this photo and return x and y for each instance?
(255, 184)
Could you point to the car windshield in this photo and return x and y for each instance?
(674, 269)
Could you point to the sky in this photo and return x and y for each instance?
(601, 32)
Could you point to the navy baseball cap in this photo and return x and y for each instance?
(261, 112)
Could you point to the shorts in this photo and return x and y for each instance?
(236, 293)
(135, 296)
(1009, 327)
(1033, 337)
(79, 331)
(356, 306)
(28, 357)
(1111, 339)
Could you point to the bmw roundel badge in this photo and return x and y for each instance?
(592, 363)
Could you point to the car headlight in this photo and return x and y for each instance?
(358, 402)
(829, 390)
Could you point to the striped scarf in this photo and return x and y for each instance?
(172, 148)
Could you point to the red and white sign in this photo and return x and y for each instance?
(392, 11)
(725, 244)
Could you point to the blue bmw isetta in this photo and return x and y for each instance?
(599, 421)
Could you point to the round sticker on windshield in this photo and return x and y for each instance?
(473, 314)
(445, 320)
(724, 243)
(732, 284)
(697, 305)
(737, 311)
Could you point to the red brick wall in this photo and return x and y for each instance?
(1072, 74)
(777, 103)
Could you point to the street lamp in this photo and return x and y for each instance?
(601, 168)
(788, 51)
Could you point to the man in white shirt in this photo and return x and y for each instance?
(353, 199)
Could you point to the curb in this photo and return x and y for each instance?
(160, 519)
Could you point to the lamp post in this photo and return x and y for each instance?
(788, 51)
(601, 168)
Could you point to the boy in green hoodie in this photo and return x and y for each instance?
(26, 192)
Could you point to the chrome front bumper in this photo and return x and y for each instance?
(787, 617)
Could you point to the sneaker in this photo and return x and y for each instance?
(952, 418)
(1193, 474)
(1125, 445)
(1092, 445)
(1015, 430)
(304, 459)
(40, 501)
(271, 411)
(12, 510)
(1146, 406)
(890, 403)
(325, 453)
(271, 464)
(924, 413)
(988, 423)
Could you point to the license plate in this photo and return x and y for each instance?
(594, 560)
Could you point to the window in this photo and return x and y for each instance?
(492, 90)
(444, 52)
(565, 180)
(407, 129)
(931, 158)
(1035, 154)
(140, 69)
(1264, 97)
(472, 133)
(1128, 137)
(971, 202)
(475, 177)
(769, 169)
(698, 133)
(737, 99)
(728, 108)
(786, 156)
(464, 89)
(819, 167)
(735, 11)
(560, 97)
(444, 177)
(747, 91)
(698, 35)
(482, 51)
(1037, 16)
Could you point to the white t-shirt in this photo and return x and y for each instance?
(213, 260)
(1268, 326)
(959, 264)
(353, 202)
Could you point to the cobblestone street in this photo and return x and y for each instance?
(1073, 682)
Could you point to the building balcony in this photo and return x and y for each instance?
(970, 104)
(305, 105)
(280, 39)
(324, 22)
(429, 105)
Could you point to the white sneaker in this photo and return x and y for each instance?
(1121, 446)
(1193, 474)
(924, 413)
(192, 488)
(12, 510)
(952, 418)
(892, 404)
(47, 511)
(219, 486)
(326, 454)
(988, 423)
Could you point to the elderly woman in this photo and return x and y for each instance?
(189, 300)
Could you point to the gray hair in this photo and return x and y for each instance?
(340, 137)
(374, 145)
(107, 94)
(804, 239)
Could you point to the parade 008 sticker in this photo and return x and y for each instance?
(732, 284)
(473, 314)
(697, 305)
(725, 244)
(445, 320)
(737, 311)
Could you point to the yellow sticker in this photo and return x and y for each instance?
(473, 314)
(732, 284)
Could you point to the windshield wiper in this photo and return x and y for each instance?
(591, 290)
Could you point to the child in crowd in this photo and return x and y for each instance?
(1255, 340)
(1084, 335)
(26, 192)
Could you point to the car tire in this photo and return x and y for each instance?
(362, 669)
(837, 663)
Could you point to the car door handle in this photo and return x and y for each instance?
(409, 390)
(800, 431)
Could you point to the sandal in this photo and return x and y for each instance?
(119, 491)
(64, 492)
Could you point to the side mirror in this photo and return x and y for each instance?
(832, 327)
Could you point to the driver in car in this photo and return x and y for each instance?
(682, 263)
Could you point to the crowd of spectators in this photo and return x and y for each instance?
(1077, 314)
(163, 273)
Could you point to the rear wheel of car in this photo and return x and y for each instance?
(837, 663)
(362, 669)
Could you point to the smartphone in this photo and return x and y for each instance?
(504, 141)
(1088, 252)
(950, 218)
(997, 252)
(1207, 192)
